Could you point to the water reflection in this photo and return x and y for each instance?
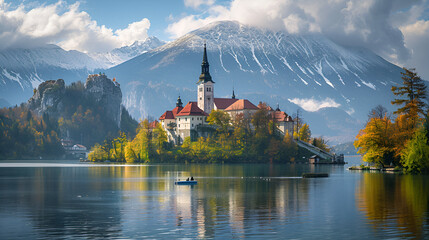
(56, 206)
(397, 202)
(230, 201)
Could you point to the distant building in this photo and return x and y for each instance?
(314, 159)
(190, 121)
(78, 147)
(284, 121)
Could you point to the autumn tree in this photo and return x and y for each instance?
(304, 133)
(375, 141)
(412, 96)
(159, 138)
(117, 152)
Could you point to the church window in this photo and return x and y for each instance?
(208, 99)
(192, 125)
(201, 98)
(186, 119)
(192, 120)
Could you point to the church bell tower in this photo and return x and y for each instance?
(205, 86)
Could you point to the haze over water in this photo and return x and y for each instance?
(74, 200)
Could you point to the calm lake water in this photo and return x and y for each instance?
(79, 200)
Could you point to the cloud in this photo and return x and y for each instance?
(417, 38)
(379, 25)
(64, 25)
(312, 105)
(197, 3)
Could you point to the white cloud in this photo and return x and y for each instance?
(64, 25)
(417, 38)
(197, 3)
(380, 25)
(312, 105)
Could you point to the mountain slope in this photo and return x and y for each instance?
(22, 70)
(120, 55)
(261, 65)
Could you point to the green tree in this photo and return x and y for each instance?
(415, 158)
(220, 119)
(321, 143)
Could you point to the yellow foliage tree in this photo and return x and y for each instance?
(304, 133)
(97, 153)
(375, 141)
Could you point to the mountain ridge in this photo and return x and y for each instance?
(23, 69)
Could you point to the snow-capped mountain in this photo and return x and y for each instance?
(261, 65)
(22, 70)
(120, 55)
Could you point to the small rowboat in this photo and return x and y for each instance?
(185, 182)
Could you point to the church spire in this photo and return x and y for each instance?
(205, 56)
(179, 102)
(233, 94)
(205, 73)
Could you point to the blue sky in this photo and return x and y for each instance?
(117, 14)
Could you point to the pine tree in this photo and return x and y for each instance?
(414, 90)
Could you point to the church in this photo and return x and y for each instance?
(190, 120)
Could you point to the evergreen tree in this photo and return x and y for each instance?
(414, 90)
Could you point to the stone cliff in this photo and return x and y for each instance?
(50, 96)
(107, 93)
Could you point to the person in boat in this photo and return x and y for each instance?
(192, 178)
(187, 179)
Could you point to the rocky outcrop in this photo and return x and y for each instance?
(50, 96)
(107, 93)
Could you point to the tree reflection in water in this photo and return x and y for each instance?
(394, 202)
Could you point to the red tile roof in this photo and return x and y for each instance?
(241, 105)
(167, 115)
(223, 103)
(192, 109)
(265, 106)
(281, 116)
(176, 110)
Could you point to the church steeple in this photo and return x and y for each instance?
(179, 102)
(205, 73)
(205, 86)
(233, 94)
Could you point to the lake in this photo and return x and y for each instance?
(69, 200)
